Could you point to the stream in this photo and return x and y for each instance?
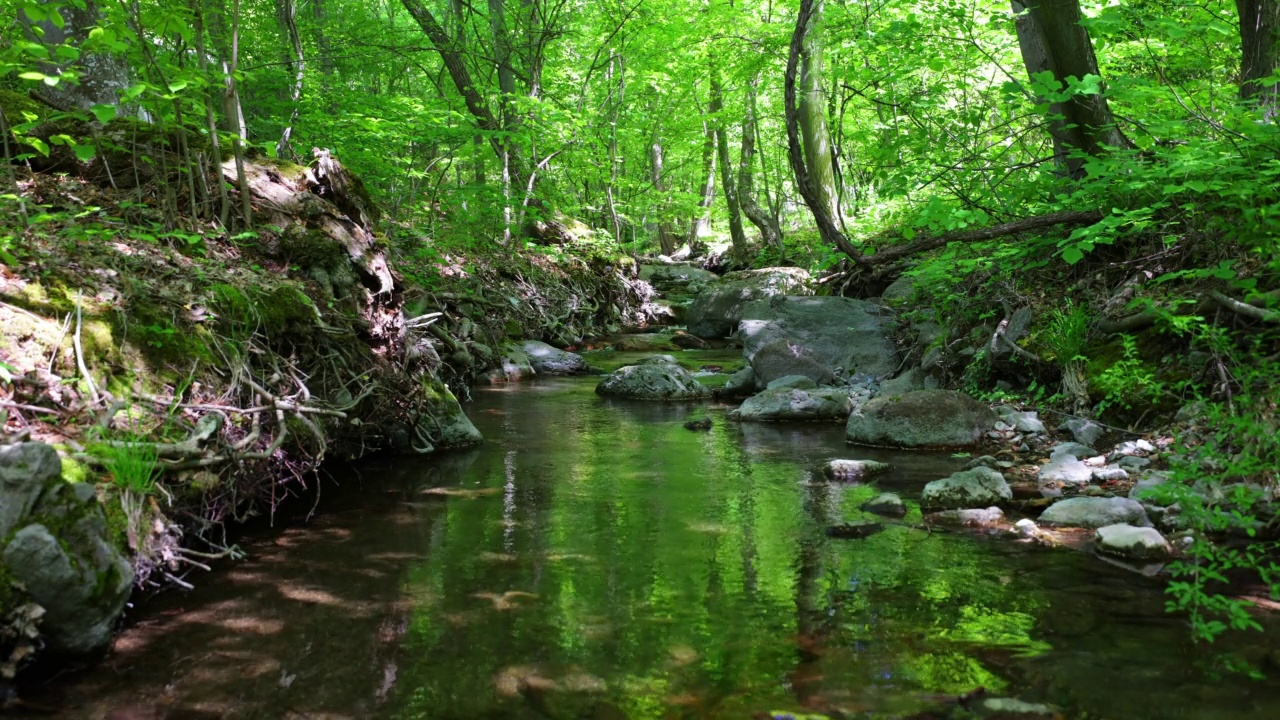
(595, 559)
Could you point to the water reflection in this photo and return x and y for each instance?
(597, 560)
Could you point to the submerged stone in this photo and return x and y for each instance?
(979, 487)
(656, 381)
(886, 505)
(796, 405)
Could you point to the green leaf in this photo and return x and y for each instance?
(103, 113)
(38, 144)
(1072, 255)
(85, 153)
(32, 75)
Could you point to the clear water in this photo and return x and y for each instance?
(597, 560)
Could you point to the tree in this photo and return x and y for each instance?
(727, 180)
(98, 77)
(1059, 56)
(819, 159)
(1260, 53)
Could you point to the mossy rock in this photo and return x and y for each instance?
(286, 309)
(17, 106)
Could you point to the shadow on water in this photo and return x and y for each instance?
(595, 559)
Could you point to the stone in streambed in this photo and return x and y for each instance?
(854, 469)
(970, 517)
(979, 487)
(716, 311)
(655, 381)
(820, 337)
(886, 505)
(795, 405)
(1132, 543)
(1095, 512)
(924, 418)
(854, 531)
(1065, 468)
(549, 360)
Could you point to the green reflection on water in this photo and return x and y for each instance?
(631, 568)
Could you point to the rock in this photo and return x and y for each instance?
(689, 342)
(1132, 463)
(25, 470)
(900, 290)
(854, 531)
(679, 277)
(1095, 512)
(979, 487)
(1024, 422)
(1010, 709)
(972, 517)
(1083, 430)
(741, 383)
(886, 505)
(660, 360)
(1109, 474)
(700, 424)
(442, 422)
(61, 552)
(1026, 527)
(549, 360)
(1065, 468)
(514, 365)
(820, 337)
(1074, 449)
(1134, 447)
(797, 382)
(1191, 411)
(716, 311)
(913, 379)
(791, 404)
(924, 418)
(854, 469)
(1145, 488)
(644, 342)
(1132, 543)
(985, 461)
(656, 381)
(1019, 323)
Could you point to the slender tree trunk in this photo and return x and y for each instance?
(237, 140)
(288, 17)
(701, 224)
(1053, 40)
(666, 240)
(1260, 53)
(101, 75)
(813, 115)
(736, 234)
(768, 226)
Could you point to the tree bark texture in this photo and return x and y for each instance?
(707, 192)
(666, 239)
(289, 21)
(1259, 52)
(727, 181)
(101, 76)
(770, 231)
(813, 114)
(1052, 39)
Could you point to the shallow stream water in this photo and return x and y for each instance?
(594, 559)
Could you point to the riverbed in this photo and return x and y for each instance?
(595, 559)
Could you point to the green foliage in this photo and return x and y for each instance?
(1067, 333)
(1129, 381)
(131, 462)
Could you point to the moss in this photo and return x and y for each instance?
(17, 106)
(311, 248)
(151, 330)
(287, 168)
(74, 471)
(286, 308)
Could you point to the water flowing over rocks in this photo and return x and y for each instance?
(921, 419)
(55, 542)
(1095, 512)
(979, 487)
(716, 311)
(653, 381)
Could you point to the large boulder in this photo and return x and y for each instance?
(822, 337)
(58, 548)
(549, 360)
(1132, 543)
(513, 365)
(796, 404)
(676, 276)
(921, 419)
(1095, 512)
(441, 423)
(715, 312)
(653, 381)
(976, 488)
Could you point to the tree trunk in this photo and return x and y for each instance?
(770, 232)
(1053, 40)
(701, 224)
(1260, 53)
(101, 76)
(819, 204)
(666, 239)
(737, 235)
(289, 19)
(813, 115)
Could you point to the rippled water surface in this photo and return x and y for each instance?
(594, 559)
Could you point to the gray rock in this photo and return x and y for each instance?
(26, 469)
(970, 517)
(549, 360)
(1024, 422)
(1084, 431)
(1145, 488)
(1109, 474)
(660, 360)
(1011, 709)
(715, 312)
(741, 383)
(1134, 447)
(854, 469)
(913, 379)
(514, 365)
(1095, 512)
(676, 277)
(660, 381)
(900, 290)
(1073, 449)
(979, 487)
(886, 505)
(924, 418)
(927, 333)
(985, 461)
(842, 336)
(793, 404)
(442, 423)
(797, 382)
(1065, 468)
(1017, 327)
(1026, 527)
(1132, 543)
(1132, 463)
